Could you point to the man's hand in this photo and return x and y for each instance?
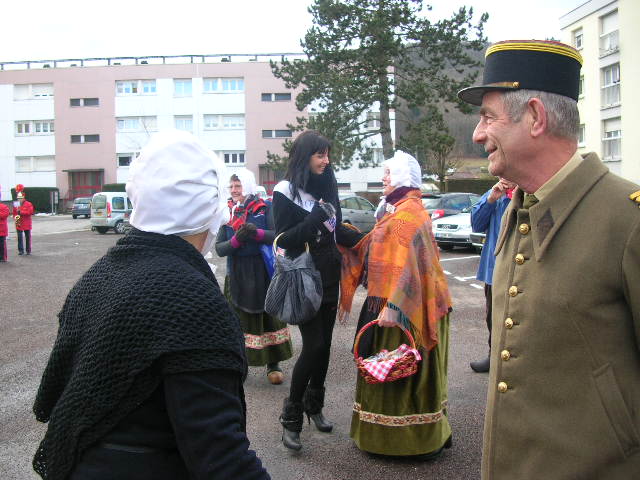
(499, 189)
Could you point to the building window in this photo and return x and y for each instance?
(34, 127)
(137, 124)
(223, 85)
(85, 138)
(84, 102)
(612, 140)
(609, 36)
(577, 38)
(233, 158)
(581, 87)
(373, 120)
(124, 159)
(31, 91)
(581, 135)
(611, 85)
(276, 97)
(276, 133)
(135, 87)
(229, 122)
(35, 164)
(184, 123)
(182, 87)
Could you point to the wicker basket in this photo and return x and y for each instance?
(405, 366)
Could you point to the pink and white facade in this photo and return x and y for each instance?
(78, 127)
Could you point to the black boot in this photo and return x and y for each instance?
(313, 401)
(291, 420)
(481, 366)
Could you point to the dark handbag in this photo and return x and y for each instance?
(295, 292)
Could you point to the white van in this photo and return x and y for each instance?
(110, 210)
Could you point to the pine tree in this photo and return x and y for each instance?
(377, 52)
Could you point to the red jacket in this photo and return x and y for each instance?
(4, 213)
(25, 211)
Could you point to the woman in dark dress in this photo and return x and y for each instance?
(306, 211)
(145, 377)
(266, 339)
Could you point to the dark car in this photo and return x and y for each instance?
(81, 206)
(358, 211)
(446, 204)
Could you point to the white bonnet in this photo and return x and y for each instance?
(248, 181)
(177, 186)
(404, 170)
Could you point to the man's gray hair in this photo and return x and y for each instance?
(562, 112)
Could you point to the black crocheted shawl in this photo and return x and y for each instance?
(150, 307)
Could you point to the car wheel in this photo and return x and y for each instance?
(120, 228)
(445, 247)
(101, 230)
(87, 216)
(74, 216)
(478, 250)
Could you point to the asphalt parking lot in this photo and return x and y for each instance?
(34, 288)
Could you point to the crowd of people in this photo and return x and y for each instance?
(151, 386)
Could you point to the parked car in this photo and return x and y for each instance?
(358, 211)
(81, 206)
(445, 204)
(110, 210)
(453, 230)
(477, 240)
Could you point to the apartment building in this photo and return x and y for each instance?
(606, 33)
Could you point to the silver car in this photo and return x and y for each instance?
(358, 211)
(453, 230)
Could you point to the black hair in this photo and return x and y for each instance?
(299, 174)
(235, 178)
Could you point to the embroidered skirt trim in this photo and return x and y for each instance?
(267, 339)
(399, 421)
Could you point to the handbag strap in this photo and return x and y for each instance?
(275, 241)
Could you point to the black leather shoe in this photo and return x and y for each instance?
(291, 420)
(313, 402)
(291, 439)
(320, 422)
(481, 366)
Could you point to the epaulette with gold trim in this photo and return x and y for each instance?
(635, 197)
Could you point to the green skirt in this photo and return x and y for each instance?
(266, 339)
(408, 416)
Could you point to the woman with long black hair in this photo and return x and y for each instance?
(306, 211)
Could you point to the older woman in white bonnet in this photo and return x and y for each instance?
(399, 265)
(145, 378)
(246, 243)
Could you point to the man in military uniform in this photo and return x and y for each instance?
(564, 383)
(22, 218)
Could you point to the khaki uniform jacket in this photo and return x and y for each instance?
(564, 384)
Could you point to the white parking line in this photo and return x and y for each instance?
(474, 285)
(464, 279)
(66, 231)
(458, 258)
(446, 273)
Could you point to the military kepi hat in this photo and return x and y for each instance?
(528, 64)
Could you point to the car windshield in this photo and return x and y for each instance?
(430, 203)
(82, 201)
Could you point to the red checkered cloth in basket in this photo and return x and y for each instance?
(380, 364)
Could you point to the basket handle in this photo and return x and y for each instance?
(374, 322)
(275, 240)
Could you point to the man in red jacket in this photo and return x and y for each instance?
(4, 231)
(22, 216)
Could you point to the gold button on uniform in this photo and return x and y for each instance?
(502, 387)
(505, 355)
(524, 228)
(519, 259)
(508, 323)
(513, 291)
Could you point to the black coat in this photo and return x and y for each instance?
(301, 226)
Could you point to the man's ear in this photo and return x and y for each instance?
(538, 117)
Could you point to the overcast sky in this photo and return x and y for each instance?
(65, 29)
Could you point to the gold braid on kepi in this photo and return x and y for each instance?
(635, 197)
(541, 65)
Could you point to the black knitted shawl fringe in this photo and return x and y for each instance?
(150, 307)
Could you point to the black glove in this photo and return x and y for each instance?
(245, 232)
(317, 216)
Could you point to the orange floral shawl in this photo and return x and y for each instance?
(403, 269)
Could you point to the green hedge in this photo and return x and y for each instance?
(39, 196)
(471, 185)
(114, 187)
